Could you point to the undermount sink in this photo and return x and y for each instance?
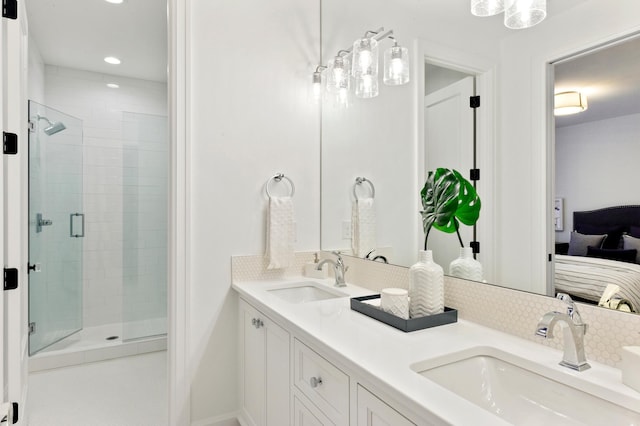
(305, 291)
(523, 392)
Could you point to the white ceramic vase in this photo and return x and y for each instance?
(426, 286)
(466, 266)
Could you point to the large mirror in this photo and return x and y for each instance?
(385, 139)
(596, 150)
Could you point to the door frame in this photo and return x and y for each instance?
(15, 222)
(484, 71)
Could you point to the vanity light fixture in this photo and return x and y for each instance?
(114, 1)
(316, 84)
(360, 63)
(487, 7)
(571, 102)
(518, 14)
(113, 85)
(396, 65)
(112, 60)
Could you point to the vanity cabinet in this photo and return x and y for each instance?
(372, 411)
(284, 381)
(264, 371)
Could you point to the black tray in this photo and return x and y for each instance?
(449, 316)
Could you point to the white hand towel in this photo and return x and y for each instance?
(363, 226)
(280, 232)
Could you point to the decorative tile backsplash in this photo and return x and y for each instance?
(511, 311)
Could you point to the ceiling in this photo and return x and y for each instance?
(80, 33)
(609, 76)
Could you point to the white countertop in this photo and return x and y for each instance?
(370, 347)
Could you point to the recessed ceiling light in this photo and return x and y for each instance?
(114, 1)
(113, 85)
(112, 60)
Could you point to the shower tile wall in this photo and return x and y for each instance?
(110, 187)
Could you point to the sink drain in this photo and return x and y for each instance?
(111, 338)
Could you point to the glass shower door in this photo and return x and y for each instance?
(56, 226)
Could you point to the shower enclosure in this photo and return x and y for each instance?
(56, 226)
(97, 234)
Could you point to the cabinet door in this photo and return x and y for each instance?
(278, 384)
(264, 371)
(372, 411)
(304, 417)
(253, 365)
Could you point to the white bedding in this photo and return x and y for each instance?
(587, 277)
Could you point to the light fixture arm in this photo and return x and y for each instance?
(378, 35)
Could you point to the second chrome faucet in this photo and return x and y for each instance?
(573, 331)
(338, 269)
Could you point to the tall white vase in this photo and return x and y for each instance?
(466, 266)
(426, 286)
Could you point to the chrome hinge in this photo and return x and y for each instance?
(11, 410)
(10, 9)
(9, 143)
(32, 328)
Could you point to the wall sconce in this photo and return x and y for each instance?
(518, 14)
(316, 85)
(360, 63)
(567, 103)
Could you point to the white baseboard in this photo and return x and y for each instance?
(230, 419)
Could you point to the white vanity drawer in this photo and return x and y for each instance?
(324, 384)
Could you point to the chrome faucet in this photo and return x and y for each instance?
(573, 331)
(338, 269)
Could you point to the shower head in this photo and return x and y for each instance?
(53, 127)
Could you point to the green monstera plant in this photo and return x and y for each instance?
(448, 199)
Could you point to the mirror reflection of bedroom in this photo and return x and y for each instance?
(597, 204)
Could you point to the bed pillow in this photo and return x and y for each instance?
(579, 242)
(630, 243)
(613, 254)
(614, 234)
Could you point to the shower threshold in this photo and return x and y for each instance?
(94, 344)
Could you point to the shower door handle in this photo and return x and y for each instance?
(71, 221)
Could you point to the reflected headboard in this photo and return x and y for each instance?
(613, 221)
(625, 216)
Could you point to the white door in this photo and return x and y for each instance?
(13, 369)
(448, 143)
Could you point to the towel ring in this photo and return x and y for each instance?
(279, 178)
(360, 181)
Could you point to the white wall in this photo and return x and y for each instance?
(523, 212)
(85, 95)
(250, 64)
(595, 164)
(35, 83)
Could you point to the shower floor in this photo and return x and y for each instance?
(93, 344)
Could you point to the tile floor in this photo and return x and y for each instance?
(128, 391)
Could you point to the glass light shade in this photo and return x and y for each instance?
(520, 14)
(338, 74)
(487, 7)
(365, 57)
(396, 66)
(567, 103)
(342, 98)
(315, 93)
(367, 86)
